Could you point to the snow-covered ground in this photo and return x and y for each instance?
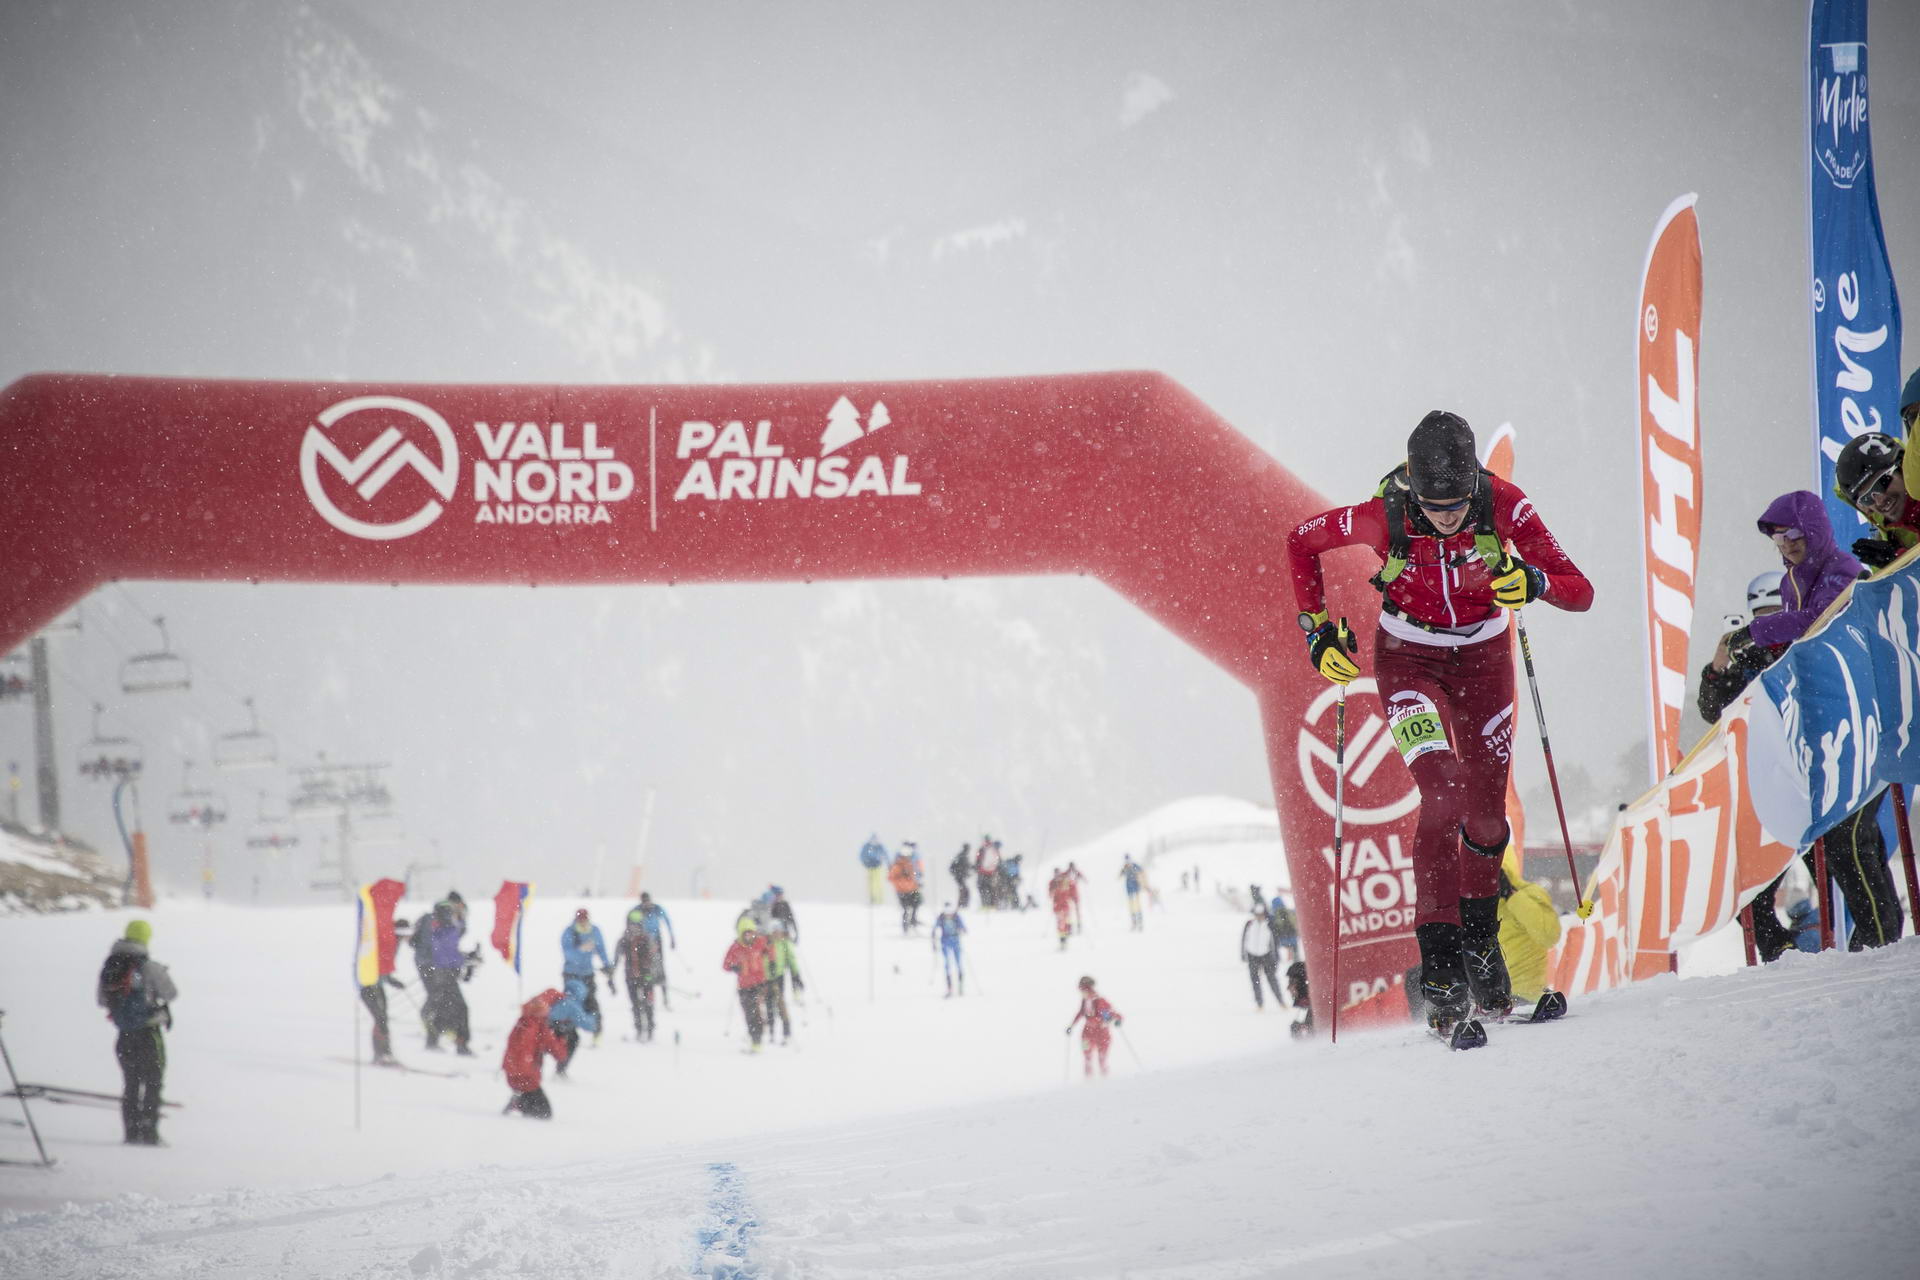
(1755, 1124)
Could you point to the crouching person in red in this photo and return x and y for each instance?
(1096, 1019)
(530, 1038)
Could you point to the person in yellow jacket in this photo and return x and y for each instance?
(1529, 926)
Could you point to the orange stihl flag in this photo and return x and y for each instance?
(1669, 347)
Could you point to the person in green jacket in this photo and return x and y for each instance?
(784, 963)
(1529, 926)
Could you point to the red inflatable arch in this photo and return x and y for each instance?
(1124, 476)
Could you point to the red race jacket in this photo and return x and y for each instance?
(749, 961)
(530, 1037)
(1445, 584)
(1099, 1017)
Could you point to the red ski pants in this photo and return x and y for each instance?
(1451, 712)
(1096, 1040)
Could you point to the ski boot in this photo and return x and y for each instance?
(1486, 966)
(1443, 984)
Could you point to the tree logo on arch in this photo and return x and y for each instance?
(374, 467)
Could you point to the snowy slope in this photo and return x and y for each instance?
(1682, 1127)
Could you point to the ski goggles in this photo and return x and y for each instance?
(1445, 506)
(1871, 492)
(1782, 536)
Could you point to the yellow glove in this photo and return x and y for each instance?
(1330, 648)
(1517, 583)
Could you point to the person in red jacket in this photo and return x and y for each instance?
(1460, 548)
(530, 1038)
(1096, 1019)
(747, 960)
(1060, 893)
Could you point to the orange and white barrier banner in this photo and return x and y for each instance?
(1669, 365)
(1681, 863)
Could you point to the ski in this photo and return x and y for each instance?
(60, 1093)
(1468, 1033)
(401, 1066)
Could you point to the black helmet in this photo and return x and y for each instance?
(1441, 462)
(1861, 464)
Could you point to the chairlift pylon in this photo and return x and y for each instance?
(248, 748)
(157, 672)
(195, 807)
(105, 759)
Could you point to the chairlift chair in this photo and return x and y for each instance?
(248, 748)
(316, 797)
(195, 807)
(272, 833)
(156, 672)
(374, 829)
(105, 759)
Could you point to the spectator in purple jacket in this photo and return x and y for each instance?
(446, 1007)
(1817, 571)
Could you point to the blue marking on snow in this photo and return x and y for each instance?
(724, 1240)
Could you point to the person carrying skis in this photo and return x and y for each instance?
(1060, 893)
(137, 992)
(1130, 872)
(906, 887)
(446, 1005)
(570, 1015)
(580, 943)
(783, 962)
(873, 856)
(747, 960)
(958, 868)
(1096, 1019)
(532, 1038)
(1461, 548)
(638, 953)
(947, 930)
(654, 917)
(1260, 955)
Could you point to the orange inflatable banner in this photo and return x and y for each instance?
(1669, 355)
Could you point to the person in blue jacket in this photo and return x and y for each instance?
(571, 1014)
(947, 930)
(653, 918)
(1130, 873)
(580, 942)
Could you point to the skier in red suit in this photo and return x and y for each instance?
(1096, 1019)
(530, 1038)
(1460, 548)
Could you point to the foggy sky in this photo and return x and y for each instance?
(1324, 219)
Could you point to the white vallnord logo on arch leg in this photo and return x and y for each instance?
(376, 465)
(1367, 749)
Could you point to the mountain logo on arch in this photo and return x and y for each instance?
(730, 460)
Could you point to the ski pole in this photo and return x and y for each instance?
(1339, 841)
(1582, 907)
(1066, 1062)
(1127, 1040)
(20, 1093)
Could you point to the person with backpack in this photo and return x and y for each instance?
(1130, 873)
(958, 868)
(780, 911)
(420, 942)
(986, 870)
(1097, 1019)
(947, 930)
(446, 1007)
(532, 1037)
(1286, 929)
(638, 954)
(569, 1016)
(1060, 894)
(1074, 878)
(747, 959)
(1260, 955)
(783, 962)
(137, 992)
(906, 887)
(580, 943)
(660, 925)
